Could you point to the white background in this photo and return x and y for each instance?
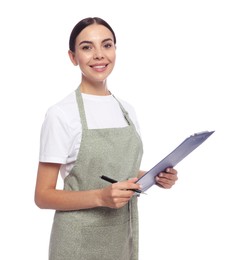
(171, 65)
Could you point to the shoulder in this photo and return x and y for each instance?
(64, 105)
(64, 110)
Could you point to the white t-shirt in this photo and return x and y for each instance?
(61, 130)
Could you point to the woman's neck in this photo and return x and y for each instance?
(94, 89)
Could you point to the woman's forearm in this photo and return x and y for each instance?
(68, 200)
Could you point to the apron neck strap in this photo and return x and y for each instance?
(125, 113)
(81, 108)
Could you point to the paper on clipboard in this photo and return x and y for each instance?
(172, 159)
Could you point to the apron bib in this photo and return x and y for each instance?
(100, 233)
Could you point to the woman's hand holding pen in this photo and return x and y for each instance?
(167, 179)
(118, 194)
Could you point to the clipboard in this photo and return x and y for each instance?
(172, 159)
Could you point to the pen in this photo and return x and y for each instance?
(114, 181)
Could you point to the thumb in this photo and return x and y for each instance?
(133, 180)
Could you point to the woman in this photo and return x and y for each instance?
(88, 134)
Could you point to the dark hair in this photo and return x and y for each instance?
(83, 24)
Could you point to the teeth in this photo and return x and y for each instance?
(99, 67)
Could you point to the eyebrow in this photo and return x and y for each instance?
(90, 42)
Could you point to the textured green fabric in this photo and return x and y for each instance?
(100, 233)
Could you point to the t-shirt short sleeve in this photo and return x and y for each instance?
(56, 138)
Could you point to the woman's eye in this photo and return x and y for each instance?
(108, 45)
(86, 47)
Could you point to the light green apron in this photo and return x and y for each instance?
(100, 233)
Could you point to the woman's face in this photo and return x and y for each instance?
(95, 53)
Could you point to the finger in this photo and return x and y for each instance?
(168, 176)
(127, 185)
(163, 185)
(118, 203)
(164, 182)
(121, 191)
(125, 194)
(171, 170)
(133, 180)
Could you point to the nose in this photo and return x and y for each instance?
(98, 54)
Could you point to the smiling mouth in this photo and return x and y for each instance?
(99, 66)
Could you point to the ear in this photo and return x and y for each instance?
(72, 57)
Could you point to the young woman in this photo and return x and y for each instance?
(88, 134)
